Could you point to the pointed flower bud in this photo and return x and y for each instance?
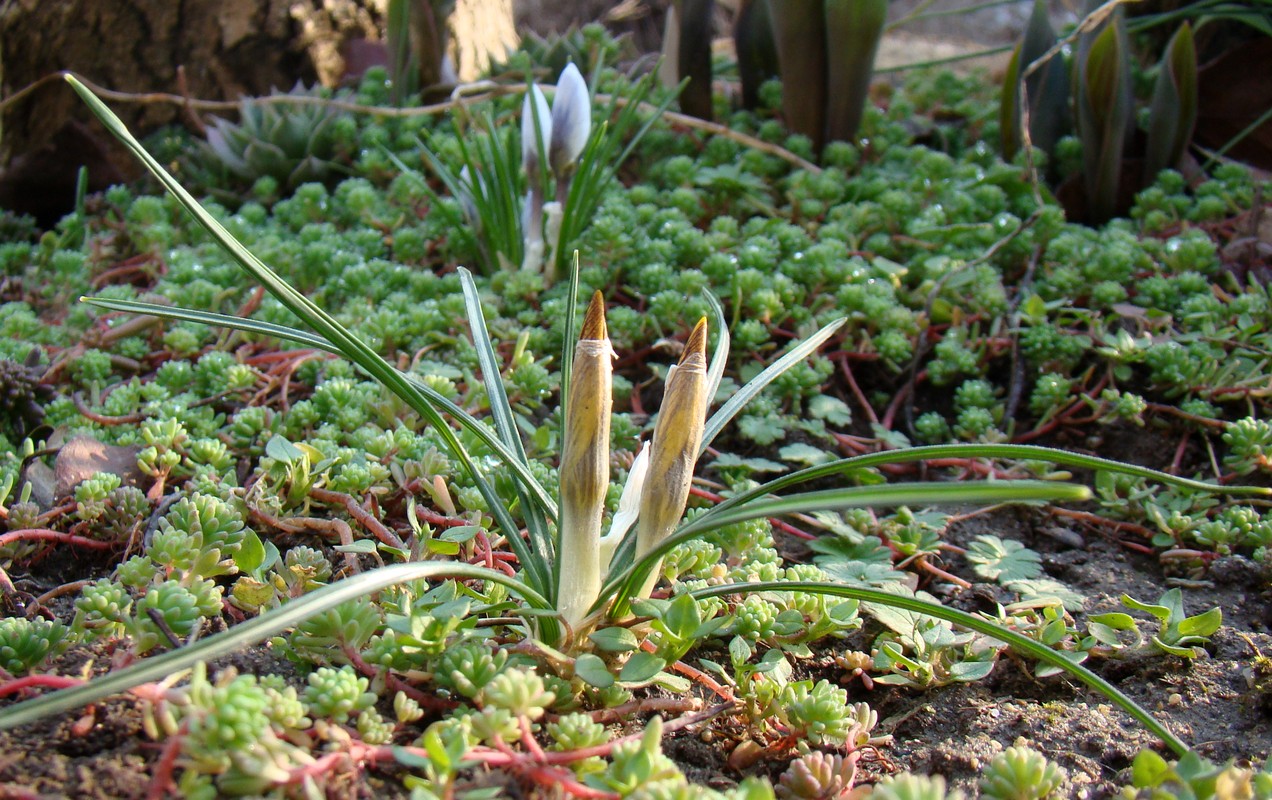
(571, 121)
(674, 451)
(536, 130)
(585, 466)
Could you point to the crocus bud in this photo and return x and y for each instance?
(536, 131)
(674, 450)
(571, 121)
(585, 467)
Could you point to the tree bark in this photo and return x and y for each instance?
(227, 48)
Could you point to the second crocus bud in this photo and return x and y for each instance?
(536, 136)
(674, 449)
(536, 131)
(571, 122)
(584, 470)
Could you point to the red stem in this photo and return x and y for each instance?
(43, 534)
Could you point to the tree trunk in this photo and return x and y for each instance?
(227, 48)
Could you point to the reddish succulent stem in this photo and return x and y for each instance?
(694, 674)
(846, 369)
(364, 518)
(45, 535)
(163, 781)
(937, 572)
(38, 682)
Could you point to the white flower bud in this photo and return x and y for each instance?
(571, 121)
(534, 111)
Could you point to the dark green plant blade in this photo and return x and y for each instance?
(253, 631)
(799, 28)
(1104, 107)
(853, 31)
(1015, 640)
(693, 56)
(1173, 111)
(1045, 98)
(1009, 117)
(756, 49)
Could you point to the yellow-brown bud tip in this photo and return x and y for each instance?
(594, 320)
(697, 344)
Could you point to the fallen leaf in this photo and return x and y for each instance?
(83, 456)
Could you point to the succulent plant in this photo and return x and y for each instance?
(26, 644)
(292, 143)
(817, 776)
(1020, 773)
(21, 397)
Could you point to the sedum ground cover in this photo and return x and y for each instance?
(165, 480)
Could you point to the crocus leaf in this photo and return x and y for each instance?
(799, 28)
(1104, 116)
(1173, 112)
(853, 31)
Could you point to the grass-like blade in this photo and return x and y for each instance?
(439, 401)
(720, 356)
(1016, 641)
(622, 586)
(324, 324)
(1015, 452)
(571, 335)
(256, 630)
(756, 385)
(506, 426)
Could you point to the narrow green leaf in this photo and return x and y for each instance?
(255, 630)
(1173, 110)
(1019, 642)
(756, 385)
(626, 583)
(325, 325)
(1009, 116)
(720, 353)
(541, 545)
